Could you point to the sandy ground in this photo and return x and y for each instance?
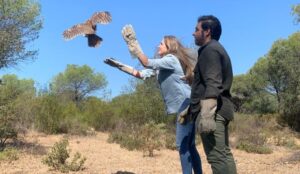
(105, 158)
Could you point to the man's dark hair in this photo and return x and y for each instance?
(212, 23)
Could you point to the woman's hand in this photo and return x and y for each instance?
(131, 41)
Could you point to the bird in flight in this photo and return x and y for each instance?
(88, 28)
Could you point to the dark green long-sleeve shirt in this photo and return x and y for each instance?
(212, 78)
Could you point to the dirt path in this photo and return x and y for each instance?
(105, 158)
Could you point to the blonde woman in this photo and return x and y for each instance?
(174, 64)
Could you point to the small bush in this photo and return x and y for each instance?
(295, 157)
(170, 141)
(146, 138)
(128, 140)
(74, 126)
(170, 132)
(254, 133)
(9, 154)
(6, 132)
(252, 148)
(151, 137)
(8, 122)
(48, 111)
(250, 133)
(58, 156)
(77, 162)
(254, 142)
(98, 114)
(285, 139)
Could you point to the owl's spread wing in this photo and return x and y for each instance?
(101, 17)
(76, 30)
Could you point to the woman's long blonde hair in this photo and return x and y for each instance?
(176, 48)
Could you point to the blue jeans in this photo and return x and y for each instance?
(185, 143)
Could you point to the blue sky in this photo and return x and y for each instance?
(249, 29)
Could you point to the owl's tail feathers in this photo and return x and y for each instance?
(94, 40)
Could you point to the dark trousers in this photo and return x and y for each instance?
(216, 147)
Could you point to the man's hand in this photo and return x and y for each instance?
(131, 41)
(206, 118)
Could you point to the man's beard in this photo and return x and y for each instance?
(199, 41)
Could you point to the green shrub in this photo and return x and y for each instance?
(53, 116)
(170, 132)
(58, 156)
(141, 104)
(6, 132)
(9, 154)
(151, 137)
(127, 139)
(255, 132)
(147, 138)
(77, 162)
(170, 141)
(253, 148)
(285, 138)
(254, 142)
(250, 131)
(74, 126)
(48, 112)
(98, 114)
(72, 120)
(8, 124)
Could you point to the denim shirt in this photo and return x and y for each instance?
(174, 90)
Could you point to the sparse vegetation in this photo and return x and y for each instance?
(128, 140)
(253, 148)
(170, 141)
(147, 138)
(267, 100)
(58, 156)
(151, 137)
(295, 157)
(9, 154)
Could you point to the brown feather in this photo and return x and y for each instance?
(76, 30)
(88, 28)
(101, 18)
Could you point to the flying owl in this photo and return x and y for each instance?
(88, 29)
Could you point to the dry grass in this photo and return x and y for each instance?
(106, 158)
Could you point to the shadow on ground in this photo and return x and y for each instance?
(123, 172)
